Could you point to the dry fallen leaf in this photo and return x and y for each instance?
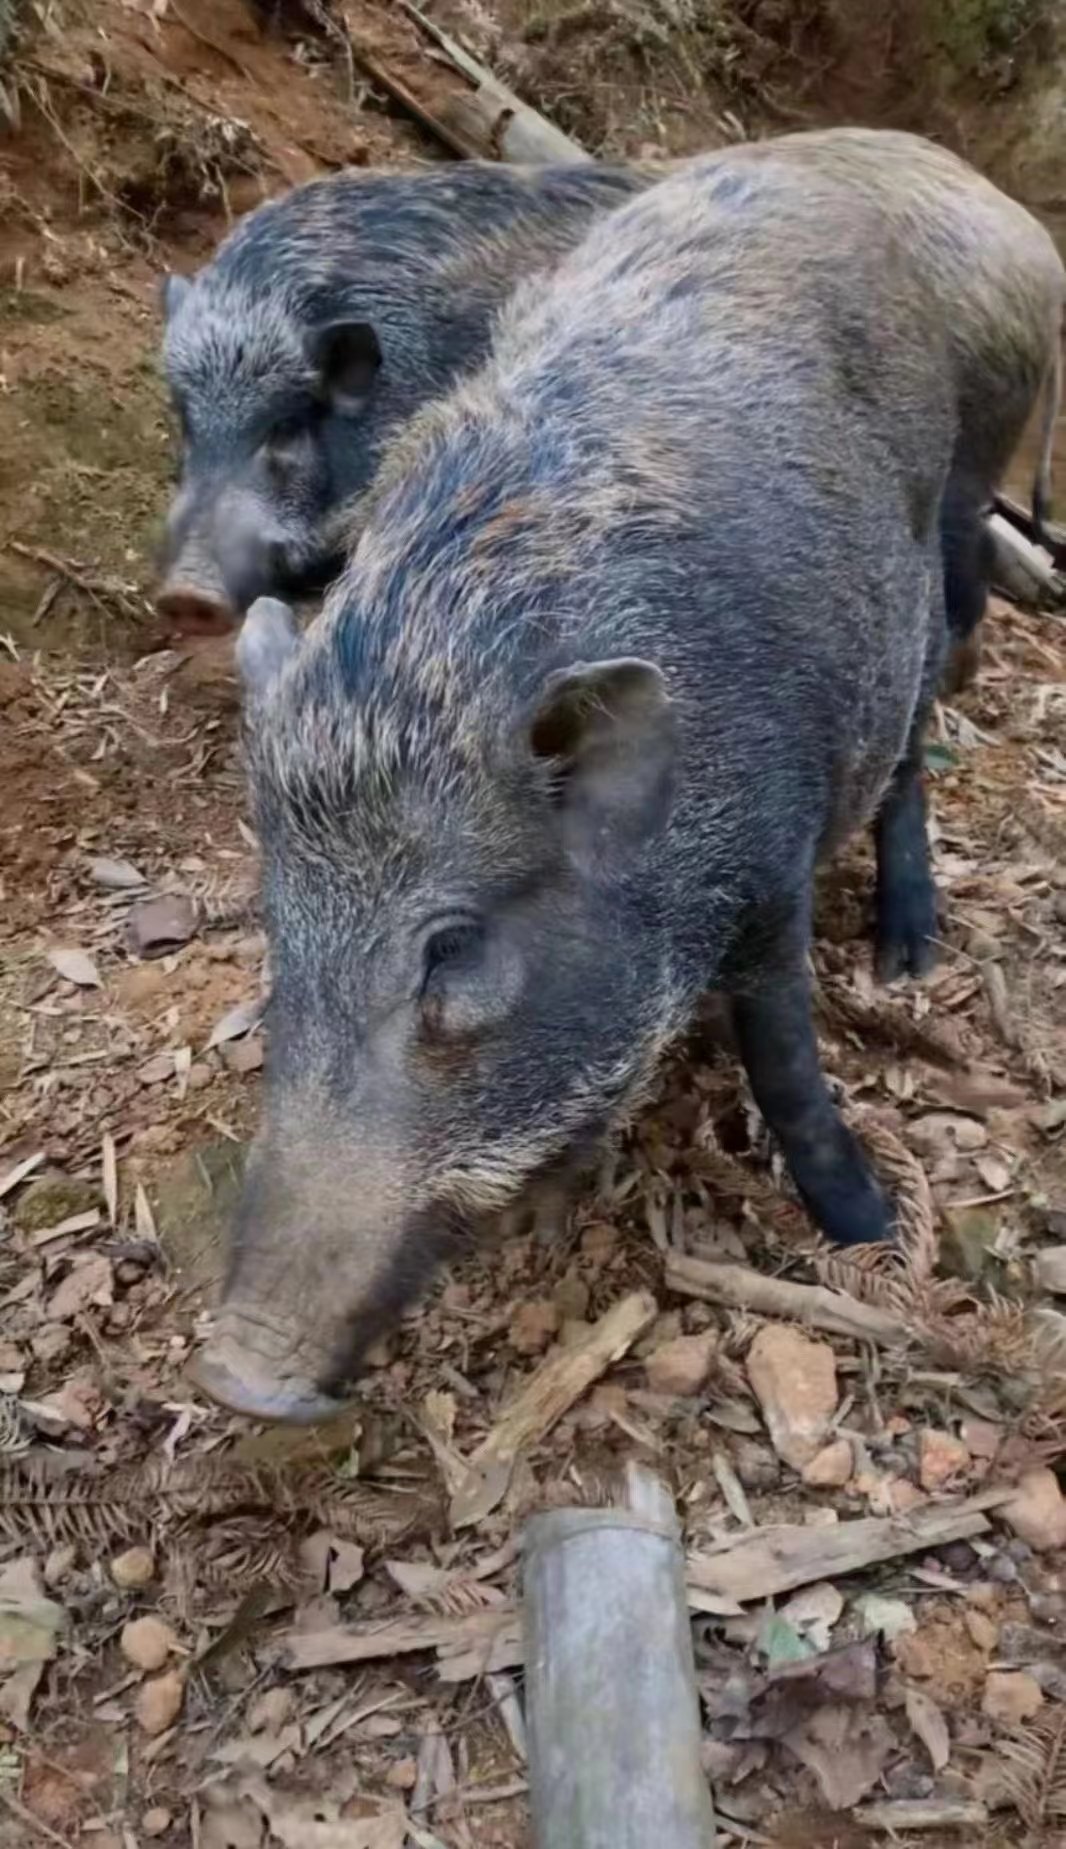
(845, 1748)
(75, 966)
(116, 875)
(88, 1283)
(29, 1622)
(929, 1725)
(237, 1021)
(315, 1823)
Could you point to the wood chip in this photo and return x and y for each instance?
(19, 1173)
(109, 1165)
(550, 1391)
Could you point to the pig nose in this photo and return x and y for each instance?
(249, 1390)
(194, 610)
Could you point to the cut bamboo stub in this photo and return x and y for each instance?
(611, 1706)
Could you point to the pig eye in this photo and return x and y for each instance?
(452, 945)
(288, 432)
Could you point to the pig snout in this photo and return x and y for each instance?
(193, 595)
(249, 1367)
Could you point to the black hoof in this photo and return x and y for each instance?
(907, 930)
(854, 1212)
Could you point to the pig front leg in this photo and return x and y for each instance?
(775, 1034)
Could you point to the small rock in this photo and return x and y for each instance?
(682, 1366)
(157, 1070)
(159, 1702)
(1011, 1697)
(940, 1457)
(51, 1199)
(157, 1821)
(243, 1056)
(146, 1642)
(571, 1298)
(269, 1712)
(60, 1564)
(1037, 1514)
(794, 1380)
(983, 1630)
(1050, 1269)
(902, 1495)
(200, 1076)
(134, 1569)
(831, 1467)
(159, 925)
(981, 1438)
(532, 1327)
(609, 1398)
(755, 1465)
(598, 1242)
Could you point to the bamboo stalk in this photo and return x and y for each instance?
(611, 1705)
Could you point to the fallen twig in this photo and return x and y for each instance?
(902, 1814)
(744, 1289)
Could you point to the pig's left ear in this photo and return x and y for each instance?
(347, 357)
(607, 729)
(265, 641)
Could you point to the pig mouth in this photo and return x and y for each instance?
(248, 1367)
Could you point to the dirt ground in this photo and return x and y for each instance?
(248, 1705)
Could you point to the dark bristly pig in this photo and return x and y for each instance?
(327, 318)
(640, 623)
(330, 316)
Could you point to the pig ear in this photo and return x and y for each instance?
(172, 292)
(347, 355)
(267, 638)
(607, 727)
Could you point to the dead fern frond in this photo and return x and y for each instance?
(986, 1338)
(888, 1023)
(1031, 1770)
(870, 1274)
(727, 1176)
(104, 1508)
(915, 1213)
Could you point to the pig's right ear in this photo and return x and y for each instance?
(347, 358)
(607, 730)
(172, 292)
(265, 642)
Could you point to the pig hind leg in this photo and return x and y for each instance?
(775, 1034)
(907, 926)
(969, 558)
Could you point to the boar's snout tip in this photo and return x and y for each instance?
(195, 610)
(250, 1391)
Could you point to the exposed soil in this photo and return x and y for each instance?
(128, 1090)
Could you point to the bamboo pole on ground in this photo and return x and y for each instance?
(611, 1705)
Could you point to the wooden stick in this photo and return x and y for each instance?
(1021, 570)
(550, 1391)
(611, 1705)
(361, 1643)
(902, 1814)
(465, 106)
(767, 1561)
(744, 1289)
(491, 115)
